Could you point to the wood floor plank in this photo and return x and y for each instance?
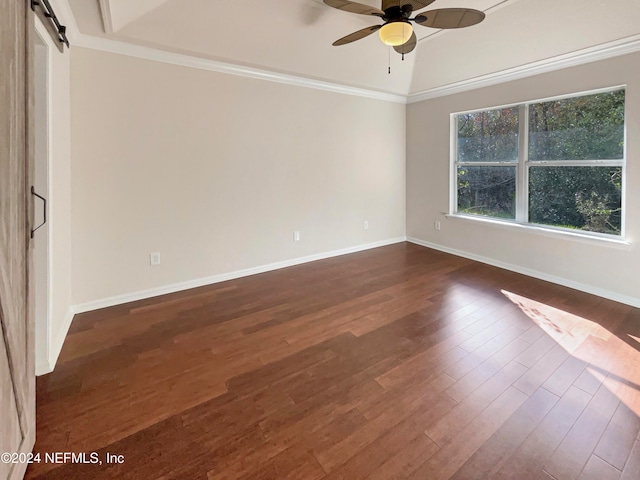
(446, 461)
(485, 350)
(407, 460)
(533, 334)
(529, 458)
(392, 363)
(536, 351)
(424, 363)
(395, 440)
(588, 382)
(465, 412)
(538, 374)
(294, 463)
(493, 454)
(565, 375)
(576, 448)
(598, 469)
(342, 451)
(617, 440)
(429, 389)
(632, 465)
(473, 380)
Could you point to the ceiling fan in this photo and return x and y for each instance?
(397, 31)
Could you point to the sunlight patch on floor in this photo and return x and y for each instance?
(569, 330)
(610, 359)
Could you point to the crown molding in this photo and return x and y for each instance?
(107, 18)
(125, 48)
(579, 57)
(148, 53)
(599, 52)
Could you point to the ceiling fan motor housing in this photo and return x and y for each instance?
(395, 13)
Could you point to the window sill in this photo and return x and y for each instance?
(545, 231)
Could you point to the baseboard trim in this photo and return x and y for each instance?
(43, 369)
(55, 347)
(600, 292)
(223, 277)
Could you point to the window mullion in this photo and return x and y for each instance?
(522, 186)
(487, 164)
(576, 163)
(453, 149)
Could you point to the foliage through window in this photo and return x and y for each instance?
(557, 163)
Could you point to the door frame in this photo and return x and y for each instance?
(43, 162)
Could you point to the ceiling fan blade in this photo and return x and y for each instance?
(450, 18)
(354, 7)
(352, 37)
(409, 46)
(416, 4)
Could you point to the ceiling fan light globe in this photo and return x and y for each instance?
(395, 33)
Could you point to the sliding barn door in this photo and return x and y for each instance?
(17, 380)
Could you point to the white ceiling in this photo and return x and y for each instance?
(295, 36)
(118, 13)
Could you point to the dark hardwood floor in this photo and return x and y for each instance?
(395, 363)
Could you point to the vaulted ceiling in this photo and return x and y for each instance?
(295, 36)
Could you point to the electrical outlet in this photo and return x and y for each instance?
(296, 236)
(154, 258)
(366, 225)
(436, 225)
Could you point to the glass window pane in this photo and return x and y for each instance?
(590, 127)
(489, 136)
(584, 198)
(489, 191)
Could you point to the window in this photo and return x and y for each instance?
(557, 163)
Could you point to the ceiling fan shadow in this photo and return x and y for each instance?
(311, 11)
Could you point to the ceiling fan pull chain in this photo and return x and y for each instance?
(389, 60)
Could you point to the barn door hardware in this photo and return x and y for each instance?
(44, 209)
(49, 14)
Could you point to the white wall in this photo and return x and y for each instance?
(596, 266)
(216, 172)
(59, 202)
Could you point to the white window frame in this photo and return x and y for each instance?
(523, 165)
